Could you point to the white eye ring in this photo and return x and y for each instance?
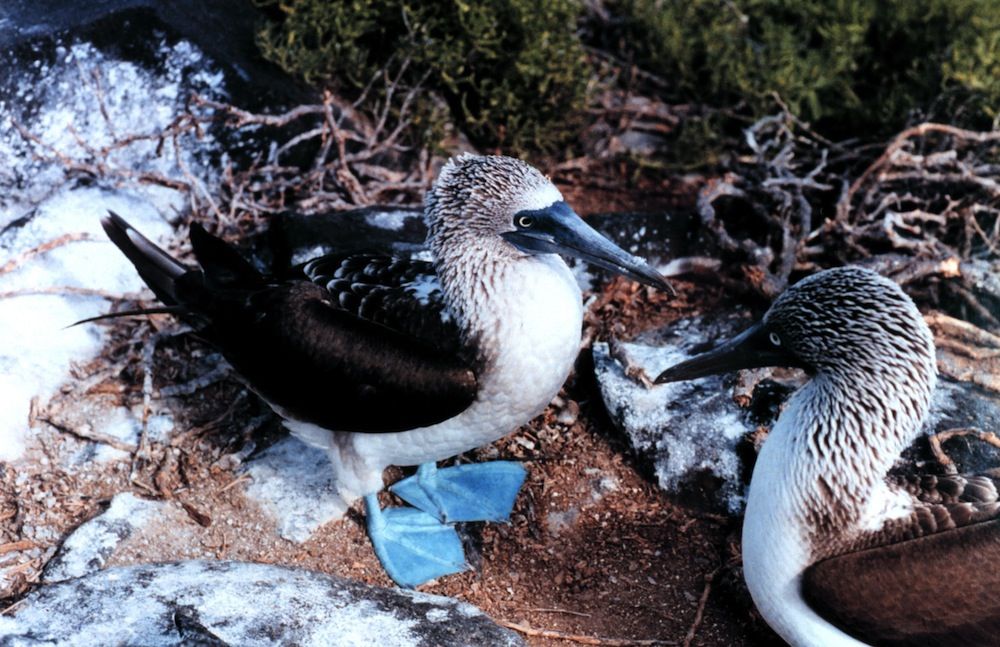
(525, 222)
(775, 339)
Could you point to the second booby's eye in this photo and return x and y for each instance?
(775, 339)
(524, 222)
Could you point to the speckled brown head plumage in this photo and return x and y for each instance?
(852, 322)
(477, 197)
(501, 209)
(871, 357)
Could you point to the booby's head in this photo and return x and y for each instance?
(847, 322)
(509, 207)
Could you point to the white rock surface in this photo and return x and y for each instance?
(685, 428)
(60, 104)
(88, 548)
(293, 482)
(240, 604)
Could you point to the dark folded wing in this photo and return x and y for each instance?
(402, 294)
(358, 344)
(938, 583)
(364, 345)
(321, 364)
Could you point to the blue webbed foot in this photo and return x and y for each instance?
(474, 492)
(413, 546)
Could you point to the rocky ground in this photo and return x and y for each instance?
(129, 443)
(627, 528)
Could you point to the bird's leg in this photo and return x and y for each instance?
(474, 492)
(412, 546)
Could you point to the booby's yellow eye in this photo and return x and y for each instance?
(775, 339)
(525, 222)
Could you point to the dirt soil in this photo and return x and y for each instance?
(595, 552)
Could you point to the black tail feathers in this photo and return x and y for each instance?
(183, 290)
(174, 310)
(157, 268)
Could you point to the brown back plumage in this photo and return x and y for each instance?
(939, 589)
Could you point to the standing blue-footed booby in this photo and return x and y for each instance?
(387, 361)
(836, 551)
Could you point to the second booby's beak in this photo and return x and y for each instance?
(557, 229)
(752, 348)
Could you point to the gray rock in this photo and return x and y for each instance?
(293, 482)
(686, 431)
(959, 405)
(88, 548)
(235, 603)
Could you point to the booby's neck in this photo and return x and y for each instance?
(846, 430)
(819, 482)
(486, 284)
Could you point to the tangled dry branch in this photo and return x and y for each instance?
(761, 214)
(330, 156)
(926, 212)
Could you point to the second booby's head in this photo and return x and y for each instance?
(847, 322)
(510, 208)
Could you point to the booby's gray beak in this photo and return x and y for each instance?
(752, 348)
(557, 229)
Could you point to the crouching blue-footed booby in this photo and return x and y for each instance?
(836, 551)
(387, 361)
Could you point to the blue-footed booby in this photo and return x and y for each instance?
(389, 361)
(836, 550)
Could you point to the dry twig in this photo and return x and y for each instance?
(700, 613)
(632, 370)
(925, 212)
(85, 433)
(10, 547)
(583, 640)
(941, 437)
(547, 610)
(20, 259)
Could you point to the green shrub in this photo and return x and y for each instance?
(512, 72)
(853, 67)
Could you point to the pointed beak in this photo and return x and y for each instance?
(558, 230)
(749, 349)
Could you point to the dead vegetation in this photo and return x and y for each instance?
(313, 158)
(925, 211)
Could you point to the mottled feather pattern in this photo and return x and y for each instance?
(940, 503)
(475, 197)
(819, 486)
(976, 489)
(402, 294)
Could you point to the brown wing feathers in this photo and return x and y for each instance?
(939, 589)
(930, 579)
(326, 366)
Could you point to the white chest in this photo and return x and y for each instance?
(539, 316)
(776, 541)
(531, 324)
